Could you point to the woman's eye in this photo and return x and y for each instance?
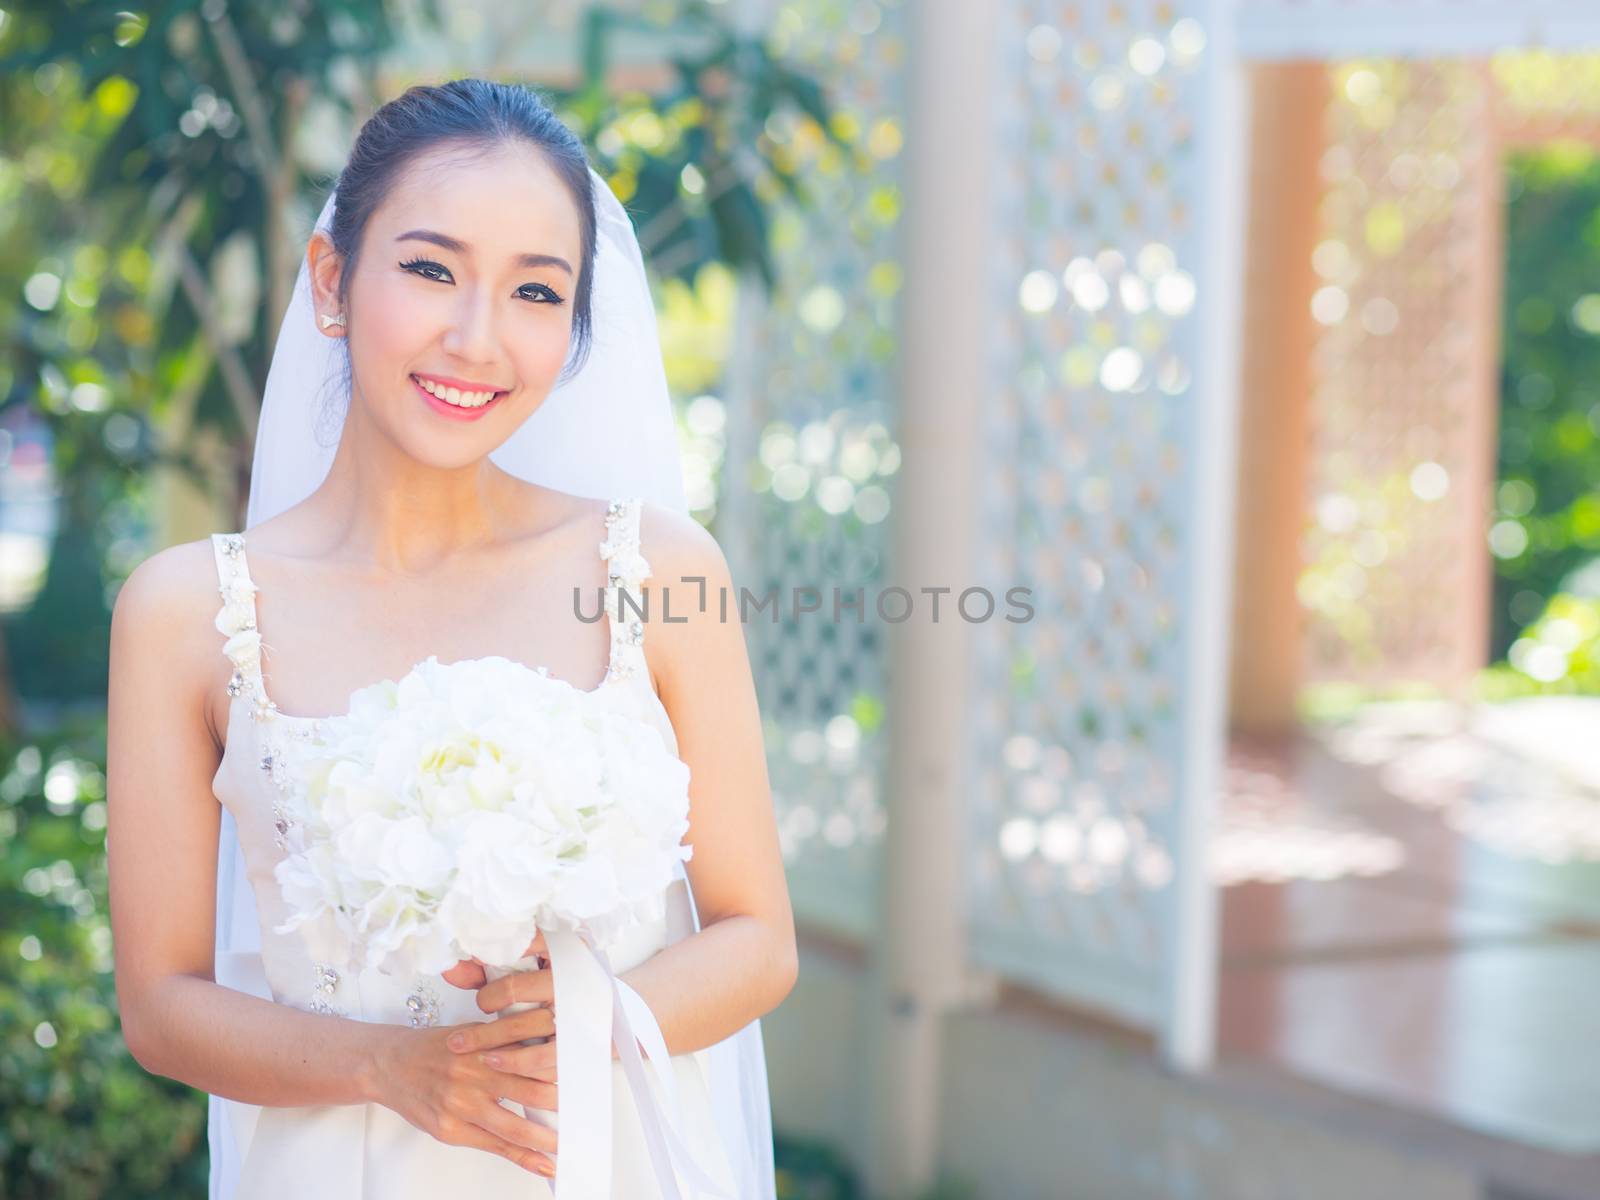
(539, 292)
(423, 267)
(429, 269)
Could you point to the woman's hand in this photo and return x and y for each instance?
(498, 1043)
(469, 972)
(455, 1097)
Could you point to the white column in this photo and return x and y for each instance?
(918, 965)
(1188, 1036)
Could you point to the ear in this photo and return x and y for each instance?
(324, 267)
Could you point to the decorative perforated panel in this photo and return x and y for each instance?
(1407, 370)
(1079, 756)
(816, 491)
(1401, 400)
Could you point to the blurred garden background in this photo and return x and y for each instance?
(1263, 861)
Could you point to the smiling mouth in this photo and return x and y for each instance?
(455, 396)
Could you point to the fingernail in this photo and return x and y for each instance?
(457, 1040)
(492, 1060)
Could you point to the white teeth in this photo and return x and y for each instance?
(452, 396)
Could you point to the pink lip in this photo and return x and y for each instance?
(461, 385)
(446, 409)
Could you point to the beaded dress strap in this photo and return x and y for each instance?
(625, 601)
(237, 619)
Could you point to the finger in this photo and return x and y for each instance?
(519, 987)
(466, 975)
(535, 1093)
(514, 1127)
(504, 1031)
(479, 1138)
(536, 1062)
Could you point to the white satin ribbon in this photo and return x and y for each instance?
(590, 1023)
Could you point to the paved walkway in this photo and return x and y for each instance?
(1411, 911)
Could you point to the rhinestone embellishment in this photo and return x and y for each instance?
(423, 1004)
(626, 572)
(237, 619)
(327, 981)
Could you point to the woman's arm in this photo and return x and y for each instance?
(162, 830)
(743, 961)
(161, 845)
(163, 824)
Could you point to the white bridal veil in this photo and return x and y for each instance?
(606, 432)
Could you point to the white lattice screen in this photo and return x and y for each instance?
(816, 484)
(1401, 392)
(1084, 763)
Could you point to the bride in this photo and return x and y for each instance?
(502, 444)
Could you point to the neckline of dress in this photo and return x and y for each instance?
(306, 721)
(279, 714)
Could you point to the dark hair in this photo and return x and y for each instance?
(476, 115)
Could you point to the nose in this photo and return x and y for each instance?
(471, 336)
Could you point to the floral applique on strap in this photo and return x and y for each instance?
(625, 601)
(237, 619)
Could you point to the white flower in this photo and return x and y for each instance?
(244, 648)
(238, 605)
(459, 810)
(624, 560)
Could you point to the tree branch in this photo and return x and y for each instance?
(256, 121)
(235, 377)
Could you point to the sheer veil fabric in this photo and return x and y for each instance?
(607, 431)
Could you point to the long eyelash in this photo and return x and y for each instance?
(412, 265)
(555, 297)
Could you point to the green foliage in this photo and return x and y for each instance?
(82, 1118)
(811, 1170)
(1547, 502)
(129, 185)
(59, 646)
(149, 166)
(697, 163)
(1558, 654)
(1332, 701)
(156, 183)
(808, 1169)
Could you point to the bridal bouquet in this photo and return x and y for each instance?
(465, 808)
(460, 810)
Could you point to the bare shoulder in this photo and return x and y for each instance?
(691, 646)
(679, 548)
(171, 586)
(163, 613)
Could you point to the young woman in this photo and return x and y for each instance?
(481, 291)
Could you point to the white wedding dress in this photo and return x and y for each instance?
(352, 1152)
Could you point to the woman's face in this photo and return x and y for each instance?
(465, 280)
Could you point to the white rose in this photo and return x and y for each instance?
(238, 606)
(244, 648)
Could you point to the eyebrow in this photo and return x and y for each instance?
(457, 247)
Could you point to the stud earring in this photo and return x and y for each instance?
(336, 319)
